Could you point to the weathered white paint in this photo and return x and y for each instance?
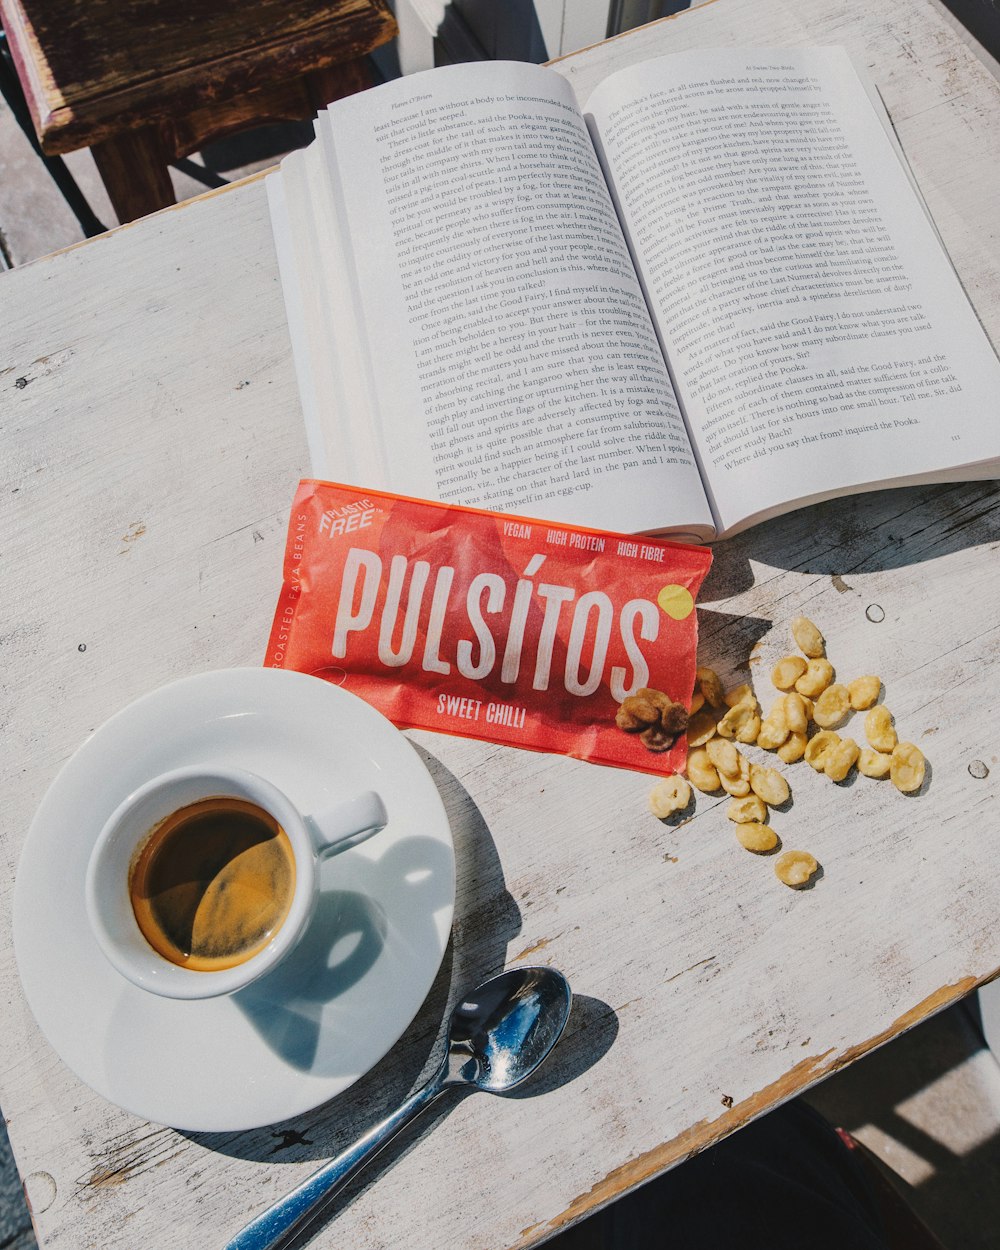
(419, 22)
(149, 463)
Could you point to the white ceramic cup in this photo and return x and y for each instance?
(312, 837)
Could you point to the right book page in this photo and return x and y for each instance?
(818, 336)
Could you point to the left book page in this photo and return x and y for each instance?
(500, 352)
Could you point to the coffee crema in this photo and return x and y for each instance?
(213, 883)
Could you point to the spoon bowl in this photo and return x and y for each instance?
(497, 1037)
(501, 1032)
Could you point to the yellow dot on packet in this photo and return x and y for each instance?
(676, 601)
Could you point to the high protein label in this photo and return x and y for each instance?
(490, 626)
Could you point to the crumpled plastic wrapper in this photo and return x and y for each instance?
(510, 629)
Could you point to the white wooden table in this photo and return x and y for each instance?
(151, 442)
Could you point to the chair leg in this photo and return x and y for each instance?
(10, 89)
(133, 166)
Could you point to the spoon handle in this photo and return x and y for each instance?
(279, 1221)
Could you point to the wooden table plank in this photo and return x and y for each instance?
(151, 441)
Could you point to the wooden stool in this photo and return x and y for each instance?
(143, 82)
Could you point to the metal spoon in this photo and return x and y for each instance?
(498, 1036)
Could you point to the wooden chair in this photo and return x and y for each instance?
(143, 82)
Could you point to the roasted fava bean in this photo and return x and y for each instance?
(793, 748)
(659, 697)
(739, 786)
(671, 794)
(906, 769)
(840, 759)
(656, 738)
(832, 706)
(701, 727)
(879, 730)
(741, 694)
(747, 730)
(710, 686)
(743, 811)
(701, 771)
(864, 691)
(697, 701)
(798, 710)
(874, 763)
(772, 735)
(779, 710)
(740, 722)
(817, 747)
(794, 868)
(756, 837)
(807, 637)
(674, 718)
(637, 712)
(788, 671)
(817, 676)
(773, 728)
(652, 715)
(768, 784)
(724, 756)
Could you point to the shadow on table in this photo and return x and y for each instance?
(928, 1104)
(867, 533)
(486, 920)
(344, 940)
(726, 641)
(589, 1034)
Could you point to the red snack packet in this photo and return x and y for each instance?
(486, 625)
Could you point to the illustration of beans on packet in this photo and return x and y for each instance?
(509, 629)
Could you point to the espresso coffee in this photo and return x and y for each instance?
(213, 883)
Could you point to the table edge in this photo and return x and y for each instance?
(796, 1080)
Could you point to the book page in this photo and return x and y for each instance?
(291, 228)
(513, 362)
(819, 338)
(311, 264)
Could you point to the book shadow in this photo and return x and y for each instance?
(858, 534)
(726, 641)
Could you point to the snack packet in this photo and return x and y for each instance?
(492, 626)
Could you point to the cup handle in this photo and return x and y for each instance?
(348, 824)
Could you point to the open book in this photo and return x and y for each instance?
(706, 295)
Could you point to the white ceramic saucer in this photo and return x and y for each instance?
(304, 1032)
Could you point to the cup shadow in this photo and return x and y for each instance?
(297, 1014)
(486, 920)
(295, 1007)
(343, 941)
(589, 1035)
